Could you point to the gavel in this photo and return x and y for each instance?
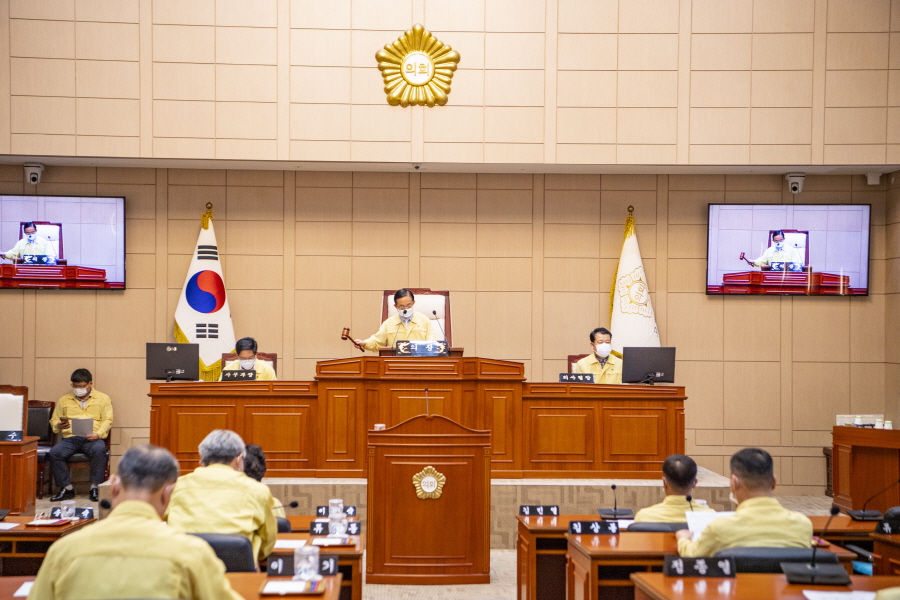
(345, 335)
(749, 262)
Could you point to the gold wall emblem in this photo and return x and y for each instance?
(417, 69)
(429, 484)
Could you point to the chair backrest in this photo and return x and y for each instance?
(52, 232)
(768, 560)
(284, 526)
(13, 408)
(267, 357)
(427, 300)
(233, 549)
(39, 413)
(657, 527)
(572, 359)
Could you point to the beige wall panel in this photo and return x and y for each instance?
(107, 146)
(720, 88)
(198, 12)
(752, 334)
(107, 79)
(13, 304)
(783, 51)
(183, 148)
(335, 238)
(255, 203)
(646, 125)
(647, 88)
(249, 120)
(571, 275)
(720, 125)
(586, 125)
(319, 15)
(787, 155)
(246, 149)
(809, 337)
(375, 179)
(503, 275)
(246, 83)
(115, 11)
(712, 154)
(591, 154)
(496, 315)
(894, 56)
(42, 115)
(628, 182)
(504, 181)
(712, 16)
(382, 122)
(754, 183)
(855, 155)
(365, 43)
(468, 88)
(588, 16)
(855, 88)
(66, 323)
(366, 314)
(233, 13)
(867, 332)
(581, 52)
(141, 238)
(173, 43)
(246, 45)
(315, 337)
(140, 271)
(614, 207)
(444, 273)
(867, 385)
(322, 272)
(893, 135)
(704, 383)
(611, 241)
(42, 39)
(809, 470)
(462, 16)
(513, 50)
(752, 395)
(12, 372)
(514, 88)
(690, 207)
(782, 88)
(380, 273)
(252, 312)
(820, 391)
(781, 125)
(720, 52)
(380, 14)
(857, 51)
(513, 153)
(320, 121)
(177, 266)
(566, 331)
(502, 240)
(254, 237)
(447, 239)
(448, 180)
(447, 206)
(101, 116)
(42, 77)
(571, 182)
(118, 311)
(648, 16)
(695, 326)
(380, 239)
(514, 15)
(855, 125)
(686, 275)
(859, 15)
(709, 437)
(55, 373)
(696, 182)
(320, 84)
(504, 206)
(376, 204)
(324, 204)
(753, 437)
(51, 9)
(172, 118)
(571, 241)
(255, 178)
(775, 16)
(188, 202)
(456, 124)
(648, 52)
(587, 88)
(651, 154)
(107, 41)
(513, 125)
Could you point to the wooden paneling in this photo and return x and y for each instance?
(286, 434)
(633, 435)
(18, 472)
(867, 465)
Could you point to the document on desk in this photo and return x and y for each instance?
(697, 521)
(23, 590)
(290, 544)
(5, 526)
(854, 595)
(82, 427)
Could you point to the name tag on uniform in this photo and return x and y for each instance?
(676, 566)
(238, 375)
(594, 528)
(576, 378)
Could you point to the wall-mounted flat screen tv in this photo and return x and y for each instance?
(64, 242)
(788, 249)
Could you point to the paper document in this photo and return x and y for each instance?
(5, 526)
(331, 541)
(854, 595)
(282, 587)
(23, 590)
(290, 543)
(697, 521)
(82, 427)
(624, 523)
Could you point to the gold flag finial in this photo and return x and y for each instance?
(206, 217)
(630, 208)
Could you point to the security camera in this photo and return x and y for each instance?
(33, 172)
(795, 182)
(416, 167)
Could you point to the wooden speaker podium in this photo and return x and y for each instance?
(429, 503)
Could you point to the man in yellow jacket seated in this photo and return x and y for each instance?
(759, 519)
(218, 498)
(83, 402)
(246, 351)
(679, 479)
(130, 554)
(606, 366)
(407, 324)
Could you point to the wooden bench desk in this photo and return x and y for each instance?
(349, 562)
(22, 549)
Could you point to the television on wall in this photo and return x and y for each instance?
(788, 249)
(62, 242)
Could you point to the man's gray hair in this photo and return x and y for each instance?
(221, 447)
(148, 468)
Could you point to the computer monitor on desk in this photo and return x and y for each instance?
(173, 362)
(648, 365)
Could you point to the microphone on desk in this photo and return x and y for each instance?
(870, 515)
(812, 574)
(616, 512)
(444, 335)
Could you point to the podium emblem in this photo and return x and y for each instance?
(417, 69)
(429, 484)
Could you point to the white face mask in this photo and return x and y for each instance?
(31, 237)
(779, 246)
(248, 363)
(603, 350)
(80, 392)
(406, 313)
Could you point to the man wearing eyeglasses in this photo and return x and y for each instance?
(83, 402)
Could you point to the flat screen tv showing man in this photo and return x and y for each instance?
(40, 235)
(788, 249)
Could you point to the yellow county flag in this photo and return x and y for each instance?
(632, 321)
(203, 315)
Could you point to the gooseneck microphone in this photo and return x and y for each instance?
(812, 574)
(443, 334)
(616, 512)
(870, 515)
(834, 510)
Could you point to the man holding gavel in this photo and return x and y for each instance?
(405, 325)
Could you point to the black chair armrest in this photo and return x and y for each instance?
(862, 554)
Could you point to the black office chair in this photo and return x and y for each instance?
(233, 549)
(39, 413)
(657, 527)
(284, 526)
(768, 560)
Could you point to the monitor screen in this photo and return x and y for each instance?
(173, 361)
(645, 364)
(75, 242)
(788, 249)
